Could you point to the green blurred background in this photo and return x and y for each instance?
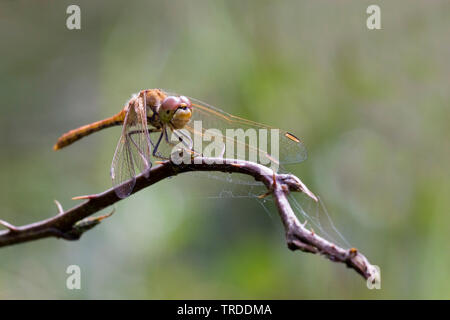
(372, 106)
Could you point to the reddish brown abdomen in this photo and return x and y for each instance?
(76, 134)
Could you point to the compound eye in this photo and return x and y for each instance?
(171, 103)
(185, 100)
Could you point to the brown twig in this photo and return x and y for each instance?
(71, 224)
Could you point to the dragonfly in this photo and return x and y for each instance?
(151, 115)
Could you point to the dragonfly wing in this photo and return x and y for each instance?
(139, 138)
(132, 154)
(123, 173)
(268, 143)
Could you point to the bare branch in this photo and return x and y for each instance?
(71, 224)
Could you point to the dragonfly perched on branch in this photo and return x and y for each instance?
(150, 116)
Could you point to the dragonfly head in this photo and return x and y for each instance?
(176, 110)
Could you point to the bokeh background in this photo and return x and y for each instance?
(372, 107)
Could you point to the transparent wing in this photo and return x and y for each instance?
(139, 138)
(132, 154)
(267, 143)
(123, 174)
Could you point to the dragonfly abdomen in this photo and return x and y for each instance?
(76, 134)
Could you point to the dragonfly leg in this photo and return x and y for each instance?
(180, 139)
(155, 153)
(186, 141)
(189, 144)
(155, 148)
